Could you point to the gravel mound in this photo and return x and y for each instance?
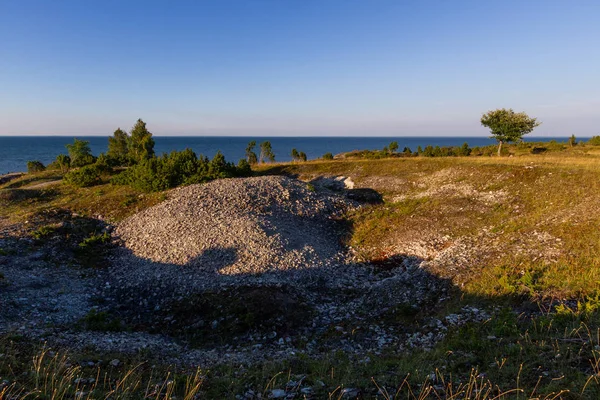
(227, 232)
(238, 226)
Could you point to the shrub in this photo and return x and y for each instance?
(43, 231)
(178, 168)
(244, 168)
(62, 162)
(327, 156)
(594, 141)
(84, 176)
(94, 240)
(80, 153)
(35, 166)
(465, 150)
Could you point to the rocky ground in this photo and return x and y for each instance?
(234, 270)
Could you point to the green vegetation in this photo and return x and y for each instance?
(140, 144)
(251, 157)
(80, 153)
(266, 152)
(298, 156)
(328, 156)
(86, 176)
(594, 141)
(62, 162)
(508, 126)
(43, 232)
(35, 166)
(118, 150)
(177, 168)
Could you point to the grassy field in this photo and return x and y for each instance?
(518, 237)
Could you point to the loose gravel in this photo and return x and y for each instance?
(264, 230)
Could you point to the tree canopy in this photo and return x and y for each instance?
(141, 144)
(266, 152)
(117, 146)
(250, 154)
(508, 126)
(80, 153)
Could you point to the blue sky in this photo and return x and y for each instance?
(285, 67)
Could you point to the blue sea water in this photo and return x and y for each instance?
(15, 151)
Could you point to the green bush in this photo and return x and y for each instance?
(327, 156)
(94, 240)
(35, 166)
(80, 153)
(178, 168)
(244, 168)
(43, 231)
(62, 163)
(594, 141)
(84, 176)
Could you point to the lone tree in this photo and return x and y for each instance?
(141, 144)
(393, 146)
(508, 126)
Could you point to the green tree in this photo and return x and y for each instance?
(302, 156)
(250, 154)
(393, 146)
(508, 126)
(64, 162)
(117, 147)
(141, 144)
(428, 152)
(327, 156)
(295, 155)
(465, 150)
(80, 153)
(572, 141)
(266, 152)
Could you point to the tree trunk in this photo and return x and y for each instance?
(499, 147)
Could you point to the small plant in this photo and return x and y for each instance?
(327, 156)
(94, 240)
(43, 232)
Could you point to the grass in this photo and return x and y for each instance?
(528, 227)
(113, 203)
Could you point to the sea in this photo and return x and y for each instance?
(15, 151)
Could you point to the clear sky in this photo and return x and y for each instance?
(306, 67)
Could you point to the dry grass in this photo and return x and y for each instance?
(523, 225)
